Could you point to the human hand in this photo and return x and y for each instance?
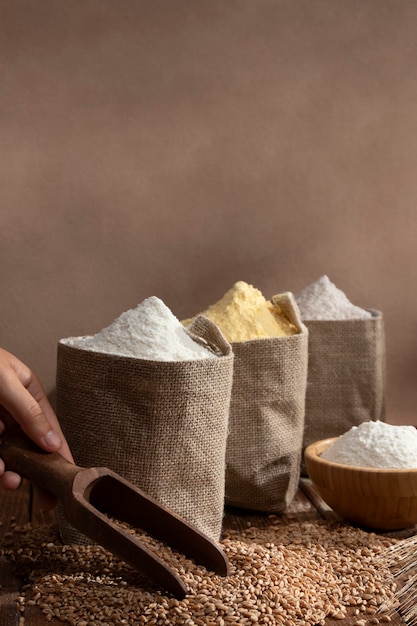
(23, 404)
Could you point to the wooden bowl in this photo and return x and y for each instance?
(378, 499)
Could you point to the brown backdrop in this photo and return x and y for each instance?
(173, 147)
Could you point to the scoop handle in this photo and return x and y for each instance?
(48, 470)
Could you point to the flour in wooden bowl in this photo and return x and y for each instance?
(375, 444)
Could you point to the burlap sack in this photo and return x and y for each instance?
(266, 421)
(346, 376)
(162, 425)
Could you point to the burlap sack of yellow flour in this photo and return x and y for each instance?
(346, 376)
(160, 424)
(266, 421)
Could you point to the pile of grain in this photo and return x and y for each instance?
(297, 573)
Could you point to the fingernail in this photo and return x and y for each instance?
(52, 440)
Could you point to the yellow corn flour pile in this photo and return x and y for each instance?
(244, 314)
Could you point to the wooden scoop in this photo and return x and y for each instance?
(90, 495)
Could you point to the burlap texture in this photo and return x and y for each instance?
(162, 425)
(266, 421)
(346, 376)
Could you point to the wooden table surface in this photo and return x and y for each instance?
(19, 507)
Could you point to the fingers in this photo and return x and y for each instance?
(36, 391)
(24, 402)
(10, 480)
(22, 395)
(28, 413)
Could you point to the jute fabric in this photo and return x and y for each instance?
(162, 425)
(346, 376)
(266, 422)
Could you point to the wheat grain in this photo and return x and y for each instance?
(297, 573)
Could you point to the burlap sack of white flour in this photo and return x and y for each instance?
(266, 421)
(346, 376)
(346, 371)
(160, 424)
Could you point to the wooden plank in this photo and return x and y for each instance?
(38, 516)
(15, 509)
(19, 507)
(33, 614)
(9, 614)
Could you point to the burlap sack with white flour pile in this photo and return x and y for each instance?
(346, 375)
(266, 422)
(160, 424)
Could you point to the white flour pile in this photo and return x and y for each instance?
(150, 331)
(375, 444)
(322, 300)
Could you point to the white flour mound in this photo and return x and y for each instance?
(150, 331)
(377, 445)
(322, 300)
